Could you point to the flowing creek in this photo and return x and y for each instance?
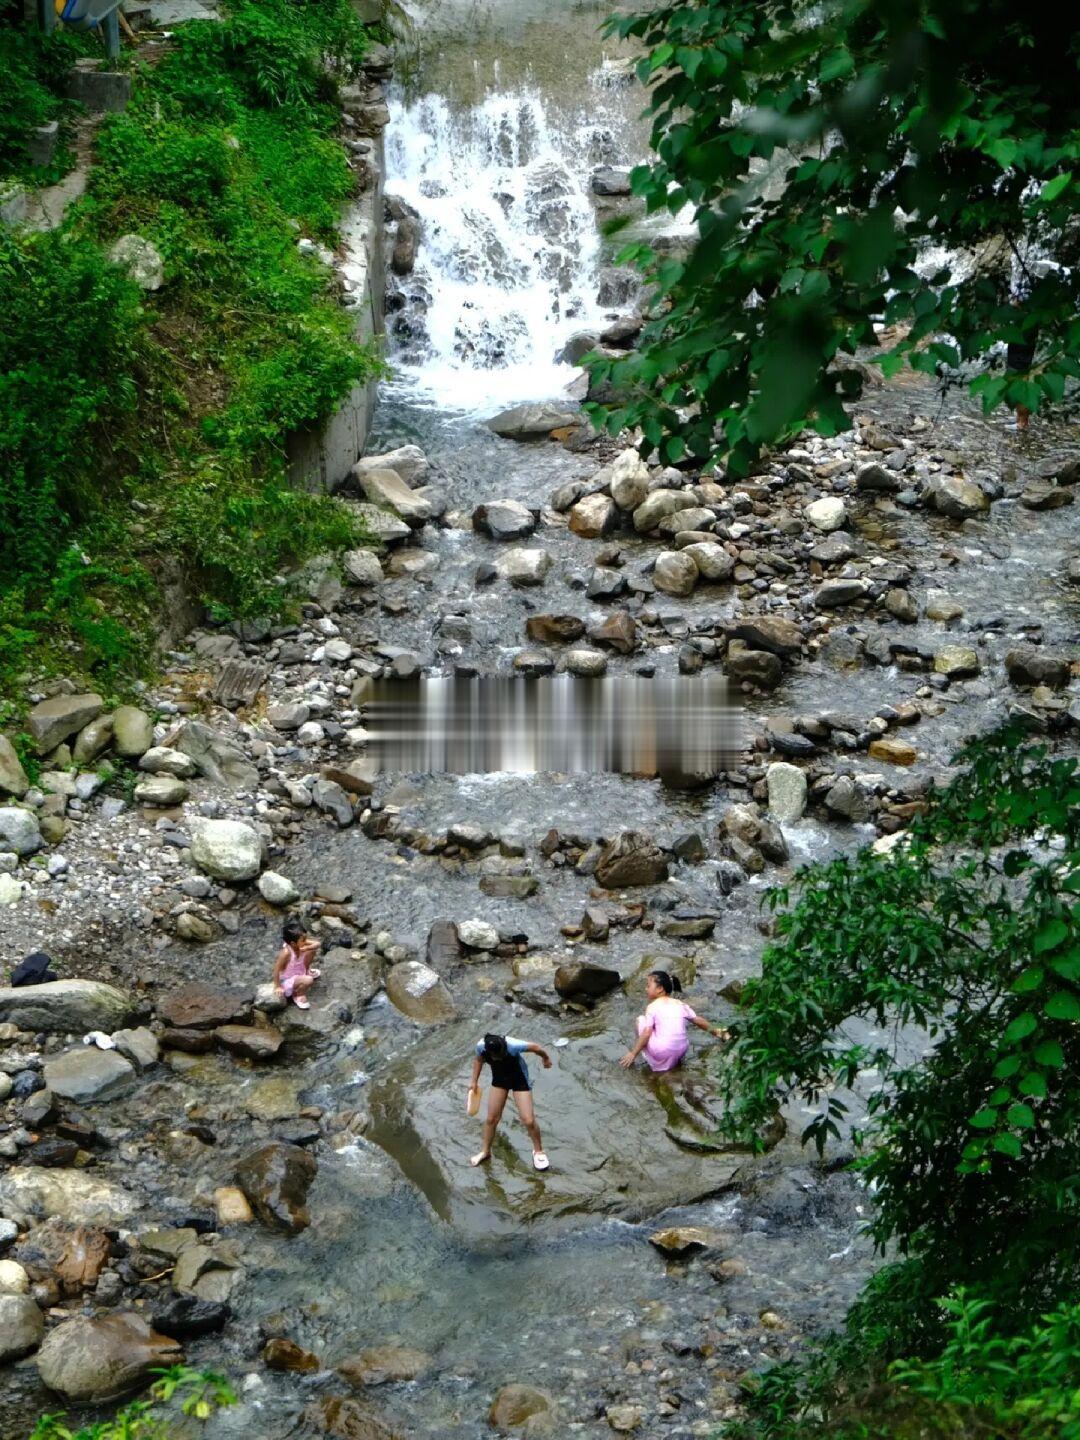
(500, 114)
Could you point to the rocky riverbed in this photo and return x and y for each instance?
(287, 1193)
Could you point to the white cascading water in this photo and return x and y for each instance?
(507, 266)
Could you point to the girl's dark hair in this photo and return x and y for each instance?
(292, 929)
(668, 983)
(495, 1047)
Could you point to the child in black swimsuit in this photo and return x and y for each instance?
(509, 1076)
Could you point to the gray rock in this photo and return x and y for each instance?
(956, 661)
(276, 1179)
(941, 606)
(163, 760)
(629, 483)
(532, 422)
(93, 740)
(22, 1326)
(362, 567)
(756, 667)
(631, 859)
(60, 1007)
(53, 721)
(216, 758)
(13, 780)
(477, 934)
(1029, 665)
(133, 731)
(588, 981)
(504, 520)
(408, 461)
(19, 830)
(140, 1046)
(522, 566)
(277, 889)
(104, 1357)
(141, 259)
(956, 497)
(75, 1195)
(787, 792)
(161, 790)
(226, 849)
(386, 487)
(713, 561)
(609, 180)
(769, 632)
(845, 797)
(877, 480)
(289, 716)
(834, 593)
(89, 1075)
(382, 525)
(331, 799)
(585, 663)
(658, 504)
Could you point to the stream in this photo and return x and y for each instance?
(501, 112)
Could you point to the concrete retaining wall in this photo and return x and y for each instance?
(320, 457)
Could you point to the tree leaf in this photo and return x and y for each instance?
(1020, 1115)
(1063, 1006)
(1050, 935)
(1020, 1028)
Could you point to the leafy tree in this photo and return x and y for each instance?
(822, 147)
(967, 937)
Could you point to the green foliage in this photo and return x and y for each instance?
(969, 932)
(33, 76)
(196, 1394)
(71, 325)
(820, 148)
(178, 403)
(981, 1384)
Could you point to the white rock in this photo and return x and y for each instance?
(277, 889)
(338, 651)
(160, 790)
(386, 487)
(827, 514)
(311, 733)
(585, 663)
(13, 1278)
(629, 480)
(226, 849)
(19, 830)
(477, 934)
(786, 785)
(523, 565)
(712, 560)
(11, 890)
(408, 461)
(659, 503)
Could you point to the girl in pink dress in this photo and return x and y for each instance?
(293, 975)
(662, 1029)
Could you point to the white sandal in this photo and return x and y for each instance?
(540, 1160)
(480, 1158)
(301, 1002)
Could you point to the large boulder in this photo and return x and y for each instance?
(215, 757)
(532, 422)
(517, 1405)
(956, 497)
(22, 1326)
(75, 1195)
(408, 461)
(418, 992)
(787, 792)
(675, 572)
(769, 632)
(19, 830)
(505, 520)
(605, 1130)
(524, 566)
(60, 1007)
(51, 722)
(581, 980)
(133, 731)
(13, 778)
(88, 1075)
(228, 850)
(199, 1006)
(631, 859)
(104, 1357)
(276, 1179)
(629, 483)
(593, 516)
(1030, 665)
(386, 487)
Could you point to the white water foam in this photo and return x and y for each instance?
(508, 259)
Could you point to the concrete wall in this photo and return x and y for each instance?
(320, 457)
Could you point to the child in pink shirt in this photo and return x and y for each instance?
(293, 972)
(662, 1029)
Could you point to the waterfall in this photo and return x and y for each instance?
(508, 261)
